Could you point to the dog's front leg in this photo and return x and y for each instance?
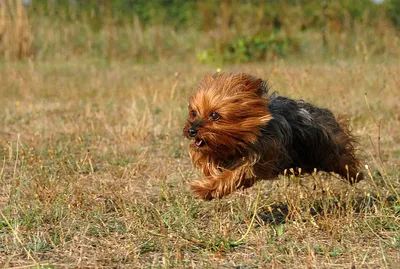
(222, 183)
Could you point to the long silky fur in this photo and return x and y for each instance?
(259, 135)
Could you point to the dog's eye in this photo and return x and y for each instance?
(214, 116)
(192, 113)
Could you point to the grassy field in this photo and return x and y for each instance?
(94, 172)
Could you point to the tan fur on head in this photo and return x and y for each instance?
(236, 99)
(241, 109)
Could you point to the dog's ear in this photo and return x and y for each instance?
(242, 82)
(206, 81)
(235, 81)
(252, 83)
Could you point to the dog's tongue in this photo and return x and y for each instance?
(199, 142)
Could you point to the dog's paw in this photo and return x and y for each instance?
(204, 191)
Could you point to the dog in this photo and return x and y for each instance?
(240, 133)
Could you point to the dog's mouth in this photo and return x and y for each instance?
(199, 142)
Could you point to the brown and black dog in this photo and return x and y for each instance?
(240, 134)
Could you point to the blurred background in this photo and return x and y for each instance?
(208, 31)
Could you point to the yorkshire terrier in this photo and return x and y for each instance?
(240, 134)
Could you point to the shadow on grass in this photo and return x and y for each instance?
(281, 213)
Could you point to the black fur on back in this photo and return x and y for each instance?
(307, 137)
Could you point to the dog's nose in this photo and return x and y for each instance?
(192, 132)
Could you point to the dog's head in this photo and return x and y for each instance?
(226, 112)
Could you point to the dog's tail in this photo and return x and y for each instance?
(349, 165)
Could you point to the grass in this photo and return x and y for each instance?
(94, 172)
(206, 32)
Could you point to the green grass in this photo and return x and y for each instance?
(94, 172)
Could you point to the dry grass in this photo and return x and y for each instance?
(16, 38)
(94, 172)
(219, 33)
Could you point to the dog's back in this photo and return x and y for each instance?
(310, 137)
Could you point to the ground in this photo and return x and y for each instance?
(95, 169)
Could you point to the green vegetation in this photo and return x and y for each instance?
(204, 31)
